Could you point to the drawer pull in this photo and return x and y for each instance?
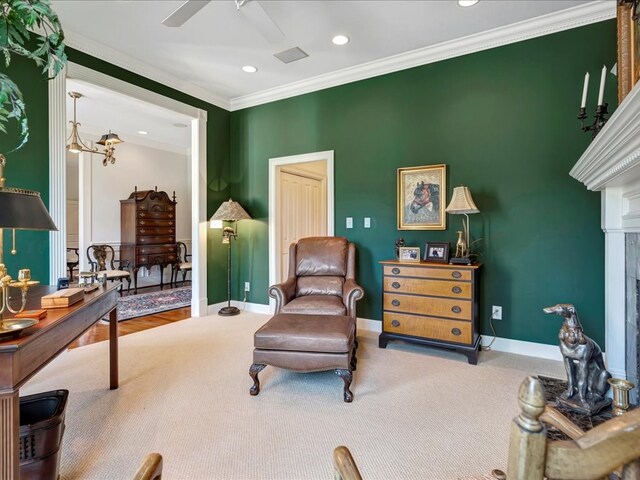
(395, 285)
(456, 274)
(456, 289)
(395, 302)
(395, 323)
(395, 270)
(456, 309)
(142, 214)
(456, 331)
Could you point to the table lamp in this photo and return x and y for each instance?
(229, 211)
(462, 204)
(21, 210)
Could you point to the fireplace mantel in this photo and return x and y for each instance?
(613, 158)
(611, 165)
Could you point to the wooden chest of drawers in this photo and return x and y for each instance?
(432, 304)
(148, 231)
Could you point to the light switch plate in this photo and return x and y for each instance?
(349, 222)
(367, 222)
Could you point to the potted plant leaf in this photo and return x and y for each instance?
(29, 28)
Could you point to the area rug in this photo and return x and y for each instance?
(144, 304)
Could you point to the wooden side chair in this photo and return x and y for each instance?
(103, 261)
(73, 260)
(183, 265)
(612, 447)
(151, 468)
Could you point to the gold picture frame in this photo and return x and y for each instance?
(409, 254)
(628, 48)
(422, 197)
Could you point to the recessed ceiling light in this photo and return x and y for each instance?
(180, 125)
(143, 132)
(249, 69)
(340, 40)
(467, 3)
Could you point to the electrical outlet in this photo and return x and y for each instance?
(349, 222)
(496, 312)
(247, 286)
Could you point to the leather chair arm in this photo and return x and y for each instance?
(351, 293)
(283, 293)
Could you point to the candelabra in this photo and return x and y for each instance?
(24, 282)
(598, 123)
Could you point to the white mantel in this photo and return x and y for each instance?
(611, 165)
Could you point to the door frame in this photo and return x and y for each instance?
(276, 162)
(57, 163)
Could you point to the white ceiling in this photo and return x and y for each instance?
(204, 57)
(208, 51)
(101, 110)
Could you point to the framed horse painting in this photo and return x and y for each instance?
(422, 196)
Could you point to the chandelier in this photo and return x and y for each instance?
(76, 145)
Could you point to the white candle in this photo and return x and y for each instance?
(602, 80)
(584, 90)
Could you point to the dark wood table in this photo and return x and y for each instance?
(23, 357)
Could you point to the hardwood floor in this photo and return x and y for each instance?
(100, 331)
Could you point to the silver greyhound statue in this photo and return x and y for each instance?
(586, 374)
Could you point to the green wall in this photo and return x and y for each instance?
(504, 123)
(29, 166)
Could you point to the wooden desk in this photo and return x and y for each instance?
(23, 357)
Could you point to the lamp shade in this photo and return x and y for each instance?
(109, 138)
(461, 202)
(230, 211)
(23, 209)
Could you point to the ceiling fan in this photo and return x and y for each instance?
(253, 11)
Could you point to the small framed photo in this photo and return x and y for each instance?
(409, 254)
(436, 252)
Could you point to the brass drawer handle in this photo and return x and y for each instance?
(395, 323)
(395, 285)
(456, 289)
(456, 274)
(395, 270)
(142, 214)
(456, 331)
(142, 230)
(456, 309)
(142, 222)
(395, 302)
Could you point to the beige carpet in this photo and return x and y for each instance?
(184, 392)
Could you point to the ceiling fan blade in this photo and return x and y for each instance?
(184, 12)
(258, 17)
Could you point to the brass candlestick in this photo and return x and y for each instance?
(24, 282)
(621, 390)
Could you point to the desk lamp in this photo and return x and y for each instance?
(462, 204)
(229, 211)
(21, 210)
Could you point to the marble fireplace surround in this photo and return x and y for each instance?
(611, 165)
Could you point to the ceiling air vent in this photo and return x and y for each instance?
(291, 55)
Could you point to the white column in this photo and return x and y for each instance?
(57, 178)
(199, 220)
(615, 281)
(85, 164)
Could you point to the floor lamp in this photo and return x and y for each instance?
(228, 212)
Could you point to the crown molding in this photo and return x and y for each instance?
(544, 25)
(539, 26)
(119, 59)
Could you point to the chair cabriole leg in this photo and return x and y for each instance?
(254, 370)
(347, 378)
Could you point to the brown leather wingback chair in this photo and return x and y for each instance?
(321, 278)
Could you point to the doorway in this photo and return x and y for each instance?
(197, 165)
(301, 202)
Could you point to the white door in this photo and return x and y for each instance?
(302, 210)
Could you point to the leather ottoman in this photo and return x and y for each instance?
(306, 343)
